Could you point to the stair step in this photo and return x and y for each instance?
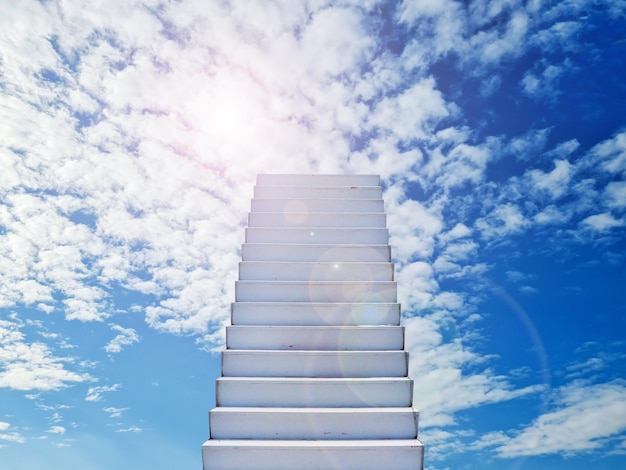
(285, 179)
(317, 235)
(316, 219)
(289, 392)
(315, 291)
(317, 205)
(316, 338)
(314, 314)
(306, 271)
(303, 192)
(323, 364)
(313, 423)
(388, 454)
(305, 252)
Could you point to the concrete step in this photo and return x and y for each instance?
(317, 236)
(304, 271)
(314, 314)
(286, 392)
(317, 205)
(387, 454)
(315, 291)
(317, 219)
(303, 192)
(304, 252)
(318, 424)
(316, 338)
(255, 363)
(316, 180)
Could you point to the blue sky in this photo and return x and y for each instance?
(131, 134)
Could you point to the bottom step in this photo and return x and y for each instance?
(403, 454)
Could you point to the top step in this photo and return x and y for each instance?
(317, 180)
(318, 192)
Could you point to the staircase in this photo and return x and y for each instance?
(314, 375)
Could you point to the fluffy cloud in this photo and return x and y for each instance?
(130, 429)
(126, 337)
(555, 182)
(115, 412)
(95, 393)
(543, 85)
(585, 417)
(505, 219)
(57, 430)
(444, 386)
(32, 365)
(9, 436)
(602, 222)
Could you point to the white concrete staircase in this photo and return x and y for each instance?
(314, 375)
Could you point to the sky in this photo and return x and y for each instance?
(131, 134)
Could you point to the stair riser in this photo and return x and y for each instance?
(314, 364)
(277, 291)
(318, 236)
(317, 180)
(315, 219)
(306, 314)
(317, 205)
(311, 253)
(320, 426)
(315, 338)
(408, 457)
(296, 192)
(300, 271)
(313, 393)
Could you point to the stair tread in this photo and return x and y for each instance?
(309, 410)
(312, 352)
(318, 380)
(315, 443)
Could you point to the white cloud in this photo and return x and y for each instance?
(529, 145)
(610, 155)
(95, 393)
(126, 337)
(615, 194)
(416, 285)
(463, 164)
(517, 276)
(444, 20)
(444, 386)
(591, 365)
(585, 417)
(602, 222)
(555, 182)
(10, 436)
(505, 219)
(460, 230)
(411, 114)
(492, 46)
(564, 149)
(560, 35)
(335, 41)
(115, 412)
(528, 290)
(130, 429)
(32, 365)
(544, 84)
(56, 430)
(412, 227)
